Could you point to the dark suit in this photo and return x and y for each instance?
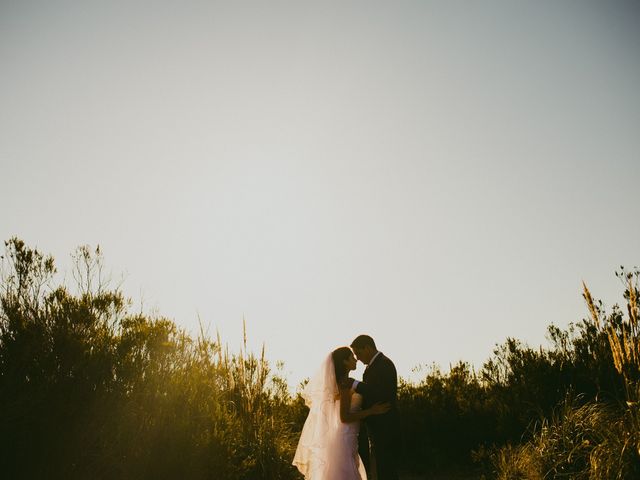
(380, 385)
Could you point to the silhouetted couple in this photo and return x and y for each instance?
(328, 446)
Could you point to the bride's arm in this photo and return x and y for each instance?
(347, 416)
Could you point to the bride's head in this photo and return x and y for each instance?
(343, 361)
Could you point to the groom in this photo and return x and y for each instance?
(379, 385)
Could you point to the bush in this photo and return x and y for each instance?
(591, 438)
(591, 441)
(88, 390)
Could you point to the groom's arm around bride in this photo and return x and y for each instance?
(380, 385)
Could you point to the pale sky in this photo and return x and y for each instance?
(439, 175)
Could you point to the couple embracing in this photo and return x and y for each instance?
(328, 446)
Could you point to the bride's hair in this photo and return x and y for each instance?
(339, 355)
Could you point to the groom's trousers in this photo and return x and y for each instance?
(385, 453)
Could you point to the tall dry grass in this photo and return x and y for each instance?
(596, 440)
(591, 441)
(90, 390)
(623, 333)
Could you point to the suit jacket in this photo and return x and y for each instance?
(380, 385)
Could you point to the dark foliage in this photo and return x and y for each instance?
(90, 390)
(458, 417)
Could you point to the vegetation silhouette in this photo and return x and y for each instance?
(591, 437)
(90, 389)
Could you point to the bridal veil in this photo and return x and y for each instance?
(318, 446)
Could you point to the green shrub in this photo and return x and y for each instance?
(89, 390)
(591, 438)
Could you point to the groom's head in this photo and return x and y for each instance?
(364, 348)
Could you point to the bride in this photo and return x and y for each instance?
(328, 446)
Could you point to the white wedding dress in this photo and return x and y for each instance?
(346, 464)
(328, 448)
